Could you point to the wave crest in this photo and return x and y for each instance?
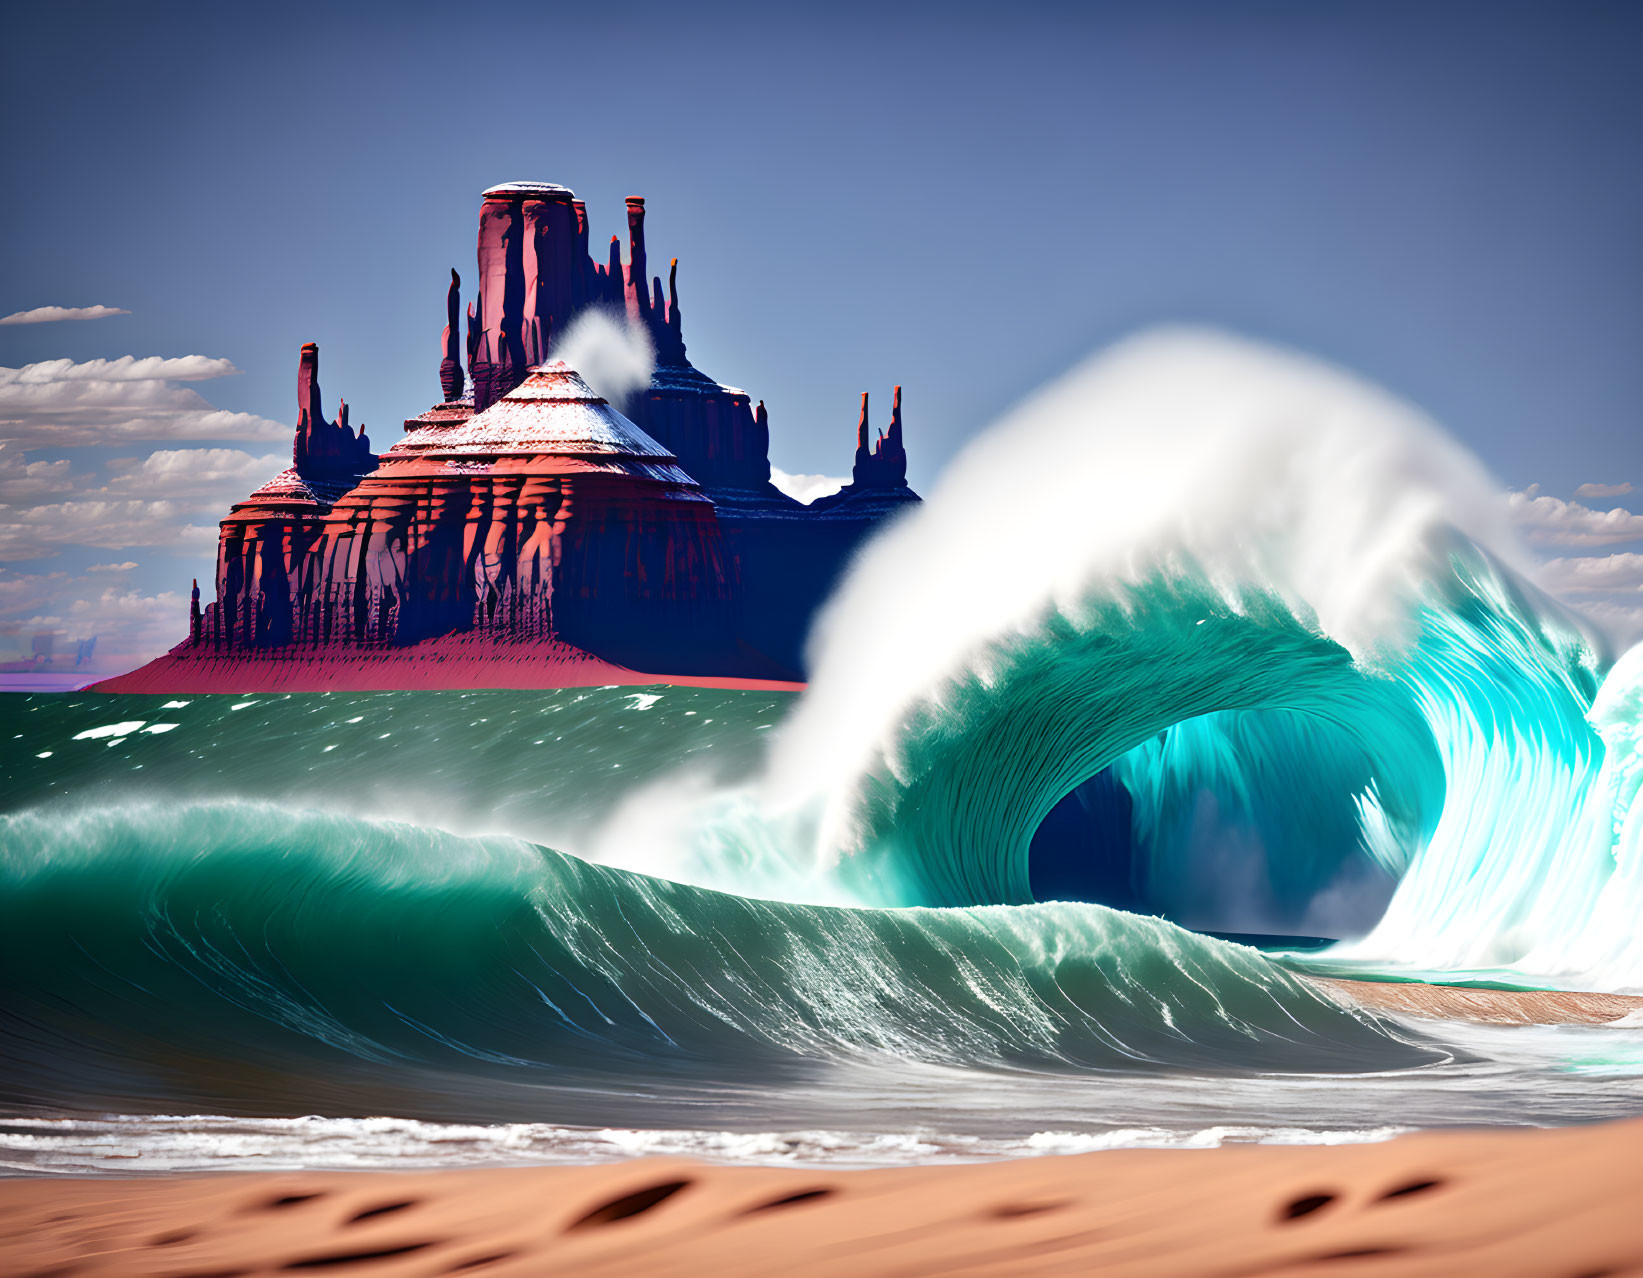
(1224, 580)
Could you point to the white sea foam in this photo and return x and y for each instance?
(1176, 447)
(123, 729)
(613, 356)
(123, 1144)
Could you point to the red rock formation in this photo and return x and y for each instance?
(555, 287)
(549, 515)
(321, 448)
(709, 427)
(263, 542)
(534, 519)
(450, 367)
(534, 276)
(878, 480)
(451, 661)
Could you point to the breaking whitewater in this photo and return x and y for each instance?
(1204, 641)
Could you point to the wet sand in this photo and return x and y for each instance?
(1565, 1202)
(1489, 1007)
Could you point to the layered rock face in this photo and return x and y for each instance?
(532, 511)
(548, 515)
(266, 541)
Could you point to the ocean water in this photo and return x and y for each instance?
(220, 952)
(1270, 671)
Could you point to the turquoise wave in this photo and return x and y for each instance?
(1176, 690)
(244, 957)
(1487, 767)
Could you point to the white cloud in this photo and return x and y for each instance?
(41, 531)
(59, 403)
(50, 314)
(1604, 490)
(1554, 522)
(172, 498)
(115, 605)
(1622, 623)
(805, 488)
(173, 473)
(23, 482)
(127, 368)
(27, 592)
(169, 499)
(128, 625)
(1594, 574)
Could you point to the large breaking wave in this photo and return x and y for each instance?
(1275, 612)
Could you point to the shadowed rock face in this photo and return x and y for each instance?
(535, 511)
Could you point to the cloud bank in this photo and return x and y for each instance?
(64, 610)
(1551, 521)
(52, 314)
(111, 496)
(25, 483)
(1604, 490)
(223, 473)
(63, 404)
(1600, 574)
(1606, 589)
(805, 488)
(39, 532)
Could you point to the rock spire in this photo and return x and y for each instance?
(880, 462)
(450, 367)
(323, 449)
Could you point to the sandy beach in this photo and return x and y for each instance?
(1560, 1202)
(1485, 1006)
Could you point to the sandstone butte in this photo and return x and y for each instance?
(523, 532)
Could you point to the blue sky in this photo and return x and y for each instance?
(964, 199)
